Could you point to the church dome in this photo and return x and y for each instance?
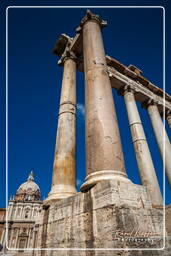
(29, 190)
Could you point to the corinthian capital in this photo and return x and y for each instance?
(68, 54)
(91, 17)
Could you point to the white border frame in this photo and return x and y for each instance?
(82, 249)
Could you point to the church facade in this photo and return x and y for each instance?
(23, 217)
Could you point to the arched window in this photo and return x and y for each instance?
(35, 211)
(27, 213)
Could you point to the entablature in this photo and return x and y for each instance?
(120, 75)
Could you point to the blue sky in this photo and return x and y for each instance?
(132, 36)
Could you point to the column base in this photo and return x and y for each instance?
(59, 192)
(98, 176)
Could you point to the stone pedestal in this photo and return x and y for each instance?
(111, 215)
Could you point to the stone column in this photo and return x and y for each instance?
(143, 156)
(2, 236)
(168, 118)
(11, 237)
(33, 239)
(17, 233)
(22, 211)
(104, 157)
(161, 137)
(4, 241)
(64, 169)
(29, 235)
(10, 211)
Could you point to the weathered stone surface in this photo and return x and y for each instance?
(114, 213)
(142, 152)
(107, 216)
(104, 156)
(161, 137)
(64, 169)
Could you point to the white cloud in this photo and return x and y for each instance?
(79, 182)
(81, 109)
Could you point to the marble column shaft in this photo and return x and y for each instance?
(161, 137)
(104, 156)
(143, 156)
(64, 170)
